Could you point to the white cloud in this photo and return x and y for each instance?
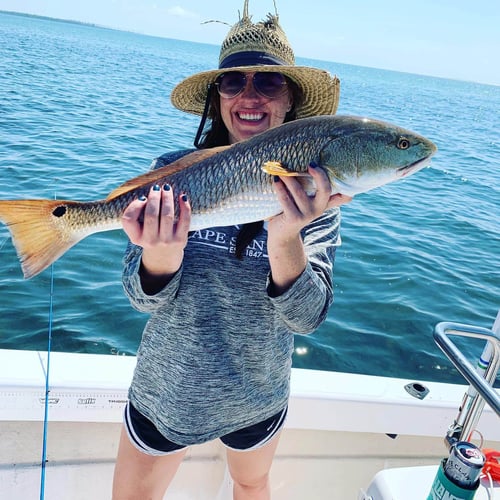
(178, 11)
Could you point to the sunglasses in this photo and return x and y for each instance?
(232, 83)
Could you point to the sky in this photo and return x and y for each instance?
(457, 39)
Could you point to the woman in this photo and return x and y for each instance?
(215, 357)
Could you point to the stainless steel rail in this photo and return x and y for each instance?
(481, 389)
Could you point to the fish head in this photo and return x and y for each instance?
(364, 154)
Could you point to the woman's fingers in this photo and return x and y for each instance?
(131, 219)
(336, 200)
(324, 188)
(283, 190)
(151, 221)
(166, 214)
(151, 226)
(184, 216)
(292, 195)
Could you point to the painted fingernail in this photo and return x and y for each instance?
(184, 198)
(166, 187)
(142, 198)
(156, 187)
(313, 164)
(276, 178)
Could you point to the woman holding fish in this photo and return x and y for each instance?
(224, 302)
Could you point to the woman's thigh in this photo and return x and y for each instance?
(138, 475)
(251, 468)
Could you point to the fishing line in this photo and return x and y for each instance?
(47, 385)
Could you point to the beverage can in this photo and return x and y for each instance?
(463, 466)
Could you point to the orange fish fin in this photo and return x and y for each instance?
(170, 169)
(39, 231)
(277, 168)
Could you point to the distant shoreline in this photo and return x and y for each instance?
(47, 18)
(92, 25)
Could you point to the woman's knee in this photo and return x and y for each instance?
(252, 484)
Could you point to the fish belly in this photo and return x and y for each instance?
(241, 209)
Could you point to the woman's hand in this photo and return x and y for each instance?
(150, 223)
(285, 248)
(299, 209)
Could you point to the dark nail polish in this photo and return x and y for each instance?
(166, 187)
(184, 198)
(276, 178)
(156, 187)
(313, 164)
(142, 198)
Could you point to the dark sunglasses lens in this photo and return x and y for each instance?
(231, 84)
(269, 84)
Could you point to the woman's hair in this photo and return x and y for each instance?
(218, 135)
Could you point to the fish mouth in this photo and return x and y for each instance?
(414, 167)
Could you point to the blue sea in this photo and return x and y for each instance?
(84, 108)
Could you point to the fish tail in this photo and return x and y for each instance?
(39, 232)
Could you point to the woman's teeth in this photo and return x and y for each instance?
(254, 117)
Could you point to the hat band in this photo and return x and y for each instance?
(251, 58)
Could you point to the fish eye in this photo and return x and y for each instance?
(403, 143)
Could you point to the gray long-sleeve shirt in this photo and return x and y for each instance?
(216, 352)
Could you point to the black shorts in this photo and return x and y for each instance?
(146, 438)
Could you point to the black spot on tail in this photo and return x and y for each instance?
(59, 211)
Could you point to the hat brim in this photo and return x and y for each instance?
(321, 90)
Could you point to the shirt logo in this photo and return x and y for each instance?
(218, 238)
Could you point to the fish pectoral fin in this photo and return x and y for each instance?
(277, 168)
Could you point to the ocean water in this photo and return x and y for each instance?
(84, 108)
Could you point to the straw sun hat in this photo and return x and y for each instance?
(261, 47)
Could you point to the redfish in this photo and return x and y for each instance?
(229, 185)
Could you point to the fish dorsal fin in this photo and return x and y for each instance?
(170, 169)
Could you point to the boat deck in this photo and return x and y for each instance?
(334, 442)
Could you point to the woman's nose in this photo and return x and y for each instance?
(249, 90)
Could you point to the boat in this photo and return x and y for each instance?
(347, 436)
